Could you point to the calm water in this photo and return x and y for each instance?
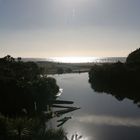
(102, 116)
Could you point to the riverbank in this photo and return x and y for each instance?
(60, 68)
(25, 101)
(119, 79)
(101, 115)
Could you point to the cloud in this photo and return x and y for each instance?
(109, 120)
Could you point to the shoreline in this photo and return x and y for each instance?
(62, 68)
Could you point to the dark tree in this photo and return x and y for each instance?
(22, 85)
(119, 79)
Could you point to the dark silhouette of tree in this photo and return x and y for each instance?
(119, 79)
(134, 57)
(19, 59)
(9, 58)
(22, 85)
(60, 71)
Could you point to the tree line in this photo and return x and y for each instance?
(119, 79)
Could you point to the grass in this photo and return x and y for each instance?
(23, 128)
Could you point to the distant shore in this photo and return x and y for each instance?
(61, 68)
(77, 59)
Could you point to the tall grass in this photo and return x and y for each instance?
(23, 128)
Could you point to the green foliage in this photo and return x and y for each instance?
(23, 128)
(68, 70)
(22, 85)
(60, 70)
(25, 94)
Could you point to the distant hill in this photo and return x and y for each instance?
(134, 57)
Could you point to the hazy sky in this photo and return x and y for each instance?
(47, 28)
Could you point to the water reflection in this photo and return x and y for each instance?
(120, 93)
(101, 117)
(109, 120)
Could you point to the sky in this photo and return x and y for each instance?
(53, 28)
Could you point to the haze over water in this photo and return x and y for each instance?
(86, 59)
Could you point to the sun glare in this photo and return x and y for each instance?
(74, 59)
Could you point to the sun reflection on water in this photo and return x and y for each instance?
(74, 59)
(77, 136)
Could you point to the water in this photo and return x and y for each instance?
(79, 59)
(87, 59)
(102, 116)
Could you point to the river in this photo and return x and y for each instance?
(102, 116)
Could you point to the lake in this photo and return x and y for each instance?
(102, 116)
